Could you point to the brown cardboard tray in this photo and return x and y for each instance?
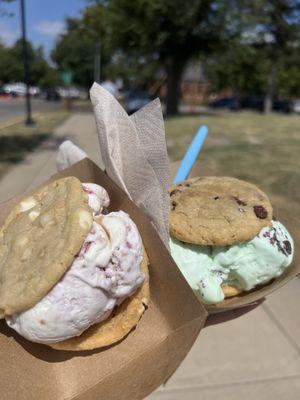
(130, 369)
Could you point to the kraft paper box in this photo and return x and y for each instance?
(255, 295)
(132, 368)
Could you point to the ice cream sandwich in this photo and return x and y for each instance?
(72, 275)
(224, 238)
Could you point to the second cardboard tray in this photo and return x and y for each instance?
(246, 298)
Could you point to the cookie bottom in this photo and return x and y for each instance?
(118, 325)
(230, 291)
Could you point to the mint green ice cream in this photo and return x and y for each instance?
(243, 265)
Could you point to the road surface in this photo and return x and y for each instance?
(14, 108)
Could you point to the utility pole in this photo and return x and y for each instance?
(97, 62)
(28, 120)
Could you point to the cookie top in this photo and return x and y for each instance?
(38, 242)
(217, 211)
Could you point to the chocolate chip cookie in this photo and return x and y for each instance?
(217, 211)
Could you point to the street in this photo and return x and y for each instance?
(12, 108)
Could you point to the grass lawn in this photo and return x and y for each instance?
(261, 149)
(17, 140)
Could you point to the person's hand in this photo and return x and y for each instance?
(232, 314)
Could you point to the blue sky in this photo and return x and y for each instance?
(45, 20)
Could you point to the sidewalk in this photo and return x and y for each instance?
(80, 128)
(256, 356)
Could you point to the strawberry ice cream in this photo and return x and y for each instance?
(104, 273)
(98, 197)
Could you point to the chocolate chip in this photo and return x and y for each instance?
(284, 247)
(187, 184)
(260, 212)
(240, 202)
(216, 198)
(174, 204)
(202, 284)
(217, 272)
(174, 192)
(287, 246)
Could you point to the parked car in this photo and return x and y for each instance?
(19, 89)
(296, 106)
(257, 103)
(34, 91)
(135, 99)
(51, 94)
(69, 92)
(285, 106)
(2, 91)
(253, 103)
(230, 103)
(15, 89)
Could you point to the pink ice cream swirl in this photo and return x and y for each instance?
(104, 273)
(98, 197)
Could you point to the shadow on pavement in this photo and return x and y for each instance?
(14, 148)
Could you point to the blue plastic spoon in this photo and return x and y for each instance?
(191, 155)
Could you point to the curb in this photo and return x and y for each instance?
(10, 123)
(16, 121)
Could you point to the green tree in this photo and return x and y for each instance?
(240, 67)
(75, 49)
(276, 32)
(288, 76)
(169, 31)
(75, 52)
(5, 64)
(264, 59)
(11, 69)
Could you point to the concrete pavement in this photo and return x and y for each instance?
(256, 356)
(80, 128)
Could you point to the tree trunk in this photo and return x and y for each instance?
(269, 97)
(174, 73)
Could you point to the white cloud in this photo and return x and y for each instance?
(7, 35)
(50, 28)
